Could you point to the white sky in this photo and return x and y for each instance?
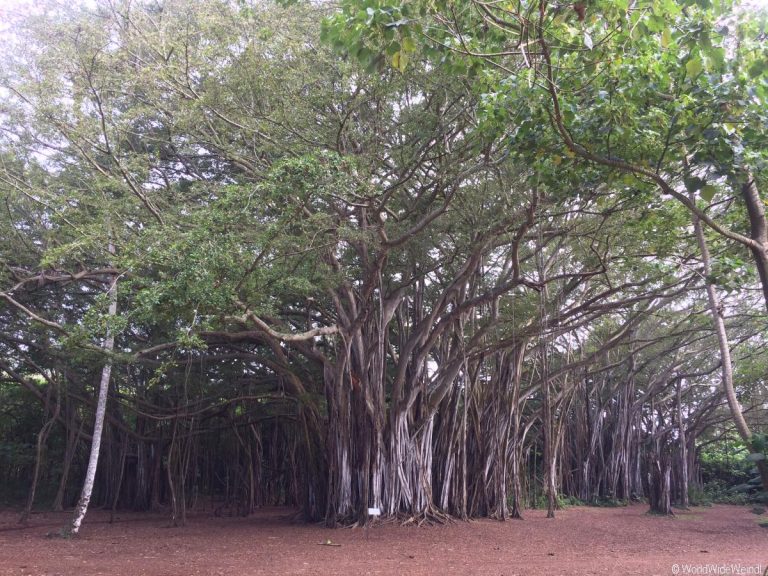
(9, 6)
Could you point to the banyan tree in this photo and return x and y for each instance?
(331, 289)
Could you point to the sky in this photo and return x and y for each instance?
(7, 6)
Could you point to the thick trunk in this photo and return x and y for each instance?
(758, 229)
(658, 470)
(659, 477)
(339, 506)
(758, 233)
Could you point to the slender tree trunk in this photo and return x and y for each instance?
(120, 477)
(547, 422)
(42, 436)
(682, 439)
(169, 474)
(98, 426)
(517, 441)
(157, 473)
(73, 437)
(549, 448)
(717, 320)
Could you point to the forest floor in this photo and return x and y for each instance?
(580, 541)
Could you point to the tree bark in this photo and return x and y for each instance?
(42, 436)
(758, 229)
(101, 407)
(683, 441)
(73, 437)
(722, 336)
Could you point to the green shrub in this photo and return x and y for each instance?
(699, 497)
(719, 492)
(562, 501)
(566, 501)
(609, 503)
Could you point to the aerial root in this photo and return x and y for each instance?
(429, 517)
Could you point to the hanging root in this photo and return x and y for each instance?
(378, 522)
(430, 517)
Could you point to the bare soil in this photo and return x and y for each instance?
(580, 541)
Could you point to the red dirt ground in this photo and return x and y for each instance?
(580, 541)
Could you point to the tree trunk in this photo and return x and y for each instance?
(683, 441)
(758, 229)
(659, 469)
(98, 426)
(73, 437)
(120, 477)
(42, 436)
(550, 484)
(757, 218)
(517, 441)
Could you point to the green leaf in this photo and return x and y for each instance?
(694, 66)
(393, 49)
(757, 68)
(404, 59)
(655, 23)
(708, 192)
(400, 60)
(666, 38)
(408, 44)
